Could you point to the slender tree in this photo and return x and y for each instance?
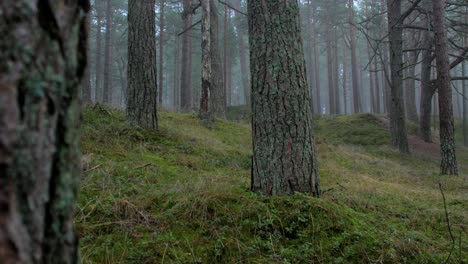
(107, 98)
(447, 130)
(242, 52)
(284, 159)
(218, 90)
(161, 52)
(40, 128)
(98, 90)
(465, 106)
(186, 60)
(354, 63)
(397, 108)
(142, 83)
(206, 112)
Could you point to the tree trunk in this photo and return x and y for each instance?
(161, 54)
(427, 89)
(206, 112)
(40, 128)
(142, 83)
(317, 67)
(86, 91)
(284, 159)
(345, 69)
(310, 65)
(176, 86)
(377, 89)
(186, 61)
(410, 88)
(447, 130)
(397, 108)
(354, 63)
(385, 77)
(465, 104)
(331, 79)
(242, 53)
(218, 89)
(336, 72)
(99, 93)
(108, 55)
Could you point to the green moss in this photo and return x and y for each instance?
(181, 195)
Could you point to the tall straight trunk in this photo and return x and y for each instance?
(242, 54)
(217, 79)
(142, 81)
(108, 55)
(354, 63)
(397, 108)
(310, 65)
(410, 88)
(176, 84)
(206, 113)
(336, 72)
(99, 93)
(385, 73)
(227, 89)
(161, 53)
(86, 91)
(372, 97)
(186, 61)
(284, 159)
(40, 128)
(427, 89)
(447, 129)
(331, 79)
(316, 66)
(377, 88)
(345, 69)
(465, 106)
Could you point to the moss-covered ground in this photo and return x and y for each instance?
(181, 195)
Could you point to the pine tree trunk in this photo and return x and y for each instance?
(218, 90)
(176, 86)
(317, 68)
(385, 73)
(410, 88)
(465, 104)
(397, 108)
(206, 112)
(331, 79)
(161, 53)
(86, 91)
(108, 56)
(284, 159)
(354, 63)
(242, 53)
(310, 65)
(40, 128)
(377, 89)
(447, 130)
(427, 89)
(186, 61)
(345, 69)
(142, 81)
(336, 72)
(99, 93)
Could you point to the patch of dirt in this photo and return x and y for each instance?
(424, 149)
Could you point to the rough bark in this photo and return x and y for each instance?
(107, 97)
(284, 159)
(397, 108)
(218, 92)
(42, 62)
(186, 62)
(206, 112)
(142, 81)
(161, 52)
(448, 164)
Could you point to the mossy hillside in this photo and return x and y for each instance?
(181, 195)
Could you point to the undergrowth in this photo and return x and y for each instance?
(181, 195)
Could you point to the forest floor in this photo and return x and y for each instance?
(181, 195)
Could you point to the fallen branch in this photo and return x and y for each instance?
(448, 223)
(93, 168)
(143, 166)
